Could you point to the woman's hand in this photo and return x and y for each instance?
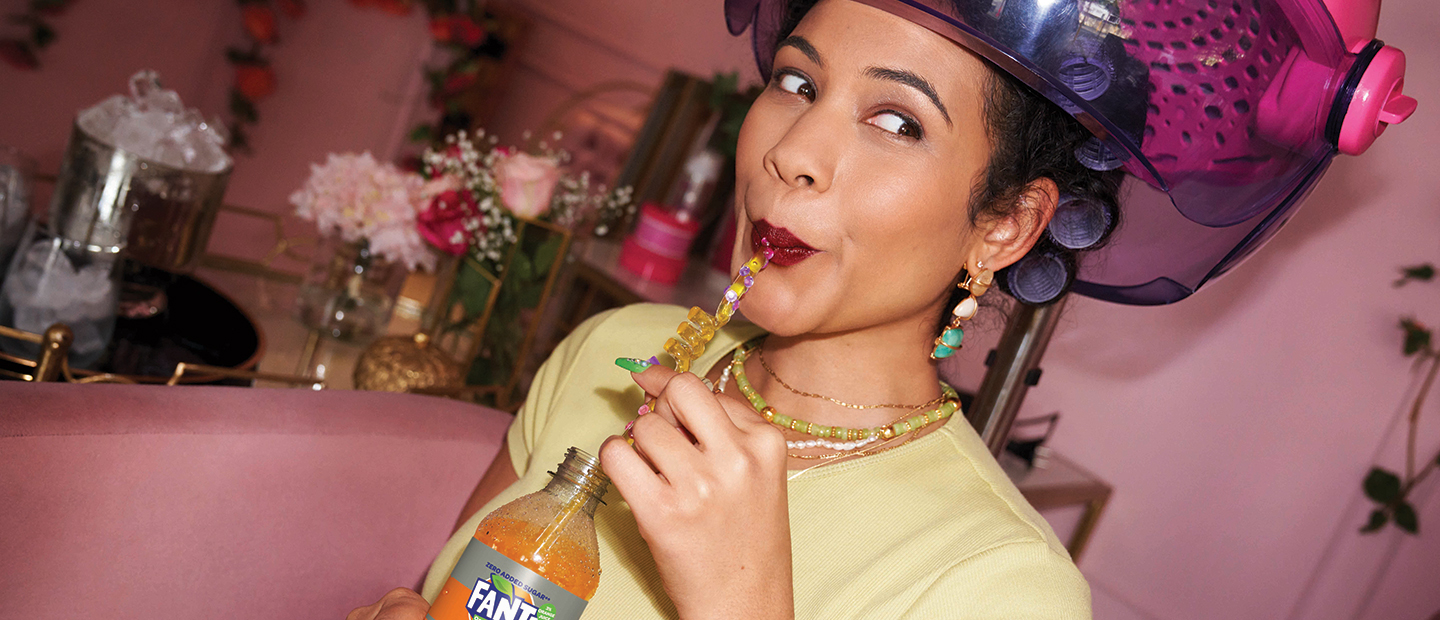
(397, 604)
(714, 510)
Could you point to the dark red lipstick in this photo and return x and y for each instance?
(789, 249)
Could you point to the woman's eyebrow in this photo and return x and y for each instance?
(798, 42)
(913, 81)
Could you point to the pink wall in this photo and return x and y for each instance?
(346, 79)
(1235, 426)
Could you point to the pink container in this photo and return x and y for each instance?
(657, 250)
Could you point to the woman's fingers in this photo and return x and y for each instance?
(397, 604)
(685, 399)
(627, 470)
(664, 445)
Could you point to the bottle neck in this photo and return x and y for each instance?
(579, 478)
(566, 491)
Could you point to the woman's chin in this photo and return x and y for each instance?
(780, 311)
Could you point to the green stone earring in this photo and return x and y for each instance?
(974, 284)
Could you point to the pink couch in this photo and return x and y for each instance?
(123, 502)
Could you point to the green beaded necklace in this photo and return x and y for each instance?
(944, 410)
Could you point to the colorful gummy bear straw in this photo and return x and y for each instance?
(700, 327)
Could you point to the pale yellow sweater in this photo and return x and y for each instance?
(933, 529)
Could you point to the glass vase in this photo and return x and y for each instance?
(349, 291)
(57, 280)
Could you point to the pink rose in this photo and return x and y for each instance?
(527, 183)
(436, 186)
(450, 222)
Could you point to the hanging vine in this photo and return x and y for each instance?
(23, 51)
(473, 37)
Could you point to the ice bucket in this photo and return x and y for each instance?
(109, 199)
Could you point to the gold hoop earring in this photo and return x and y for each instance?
(975, 283)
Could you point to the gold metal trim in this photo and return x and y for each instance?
(15, 359)
(183, 367)
(284, 246)
(16, 375)
(30, 337)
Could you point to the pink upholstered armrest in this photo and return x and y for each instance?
(191, 502)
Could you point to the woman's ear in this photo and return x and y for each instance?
(1007, 239)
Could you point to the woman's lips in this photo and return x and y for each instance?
(789, 249)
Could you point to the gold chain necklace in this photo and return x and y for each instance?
(904, 426)
(760, 351)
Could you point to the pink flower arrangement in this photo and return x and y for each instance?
(359, 198)
(527, 183)
(477, 192)
(447, 223)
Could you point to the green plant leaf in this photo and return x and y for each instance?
(521, 269)
(243, 109)
(472, 289)
(528, 296)
(1382, 486)
(503, 585)
(423, 132)
(1406, 519)
(1419, 273)
(1417, 336)
(42, 34)
(545, 255)
(1378, 519)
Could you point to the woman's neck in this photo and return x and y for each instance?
(884, 364)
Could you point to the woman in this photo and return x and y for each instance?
(884, 164)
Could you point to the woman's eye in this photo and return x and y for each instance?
(896, 124)
(792, 83)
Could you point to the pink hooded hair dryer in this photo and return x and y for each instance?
(1223, 113)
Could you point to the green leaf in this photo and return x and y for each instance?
(1419, 273)
(545, 255)
(472, 289)
(529, 296)
(521, 269)
(423, 132)
(1406, 519)
(1382, 486)
(1417, 336)
(243, 109)
(42, 34)
(1378, 518)
(503, 585)
(239, 139)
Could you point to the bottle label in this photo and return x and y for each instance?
(494, 587)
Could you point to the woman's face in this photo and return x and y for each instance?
(864, 146)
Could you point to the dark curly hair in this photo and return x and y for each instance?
(1031, 139)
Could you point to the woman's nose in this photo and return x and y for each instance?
(805, 155)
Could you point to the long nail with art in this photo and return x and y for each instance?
(632, 364)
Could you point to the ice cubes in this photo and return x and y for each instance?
(153, 124)
(46, 286)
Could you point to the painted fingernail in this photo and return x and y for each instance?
(633, 365)
(644, 409)
(629, 426)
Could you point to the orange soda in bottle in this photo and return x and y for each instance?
(535, 558)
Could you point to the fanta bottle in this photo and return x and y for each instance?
(534, 558)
